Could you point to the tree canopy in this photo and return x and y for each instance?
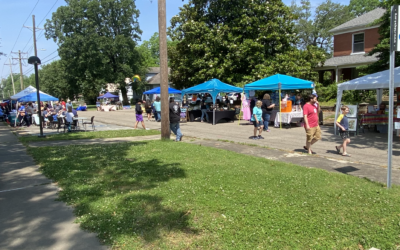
(313, 28)
(150, 50)
(97, 40)
(382, 49)
(236, 41)
(360, 7)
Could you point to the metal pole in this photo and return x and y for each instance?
(280, 109)
(393, 39)
(34, 35)
(162, 30)
(38, 100)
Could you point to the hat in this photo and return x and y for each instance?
(314, 93)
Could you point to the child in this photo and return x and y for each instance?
(139, 112)
(343, 124)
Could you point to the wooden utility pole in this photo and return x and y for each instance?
(34, 34)
(162, 30)
(21, 77)
(12, 78)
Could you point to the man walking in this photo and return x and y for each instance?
(174, 118)
(313, 131)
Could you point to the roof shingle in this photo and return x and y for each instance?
(349, 60)
(360, 21)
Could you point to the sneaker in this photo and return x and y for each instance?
(260, 137)
(267, 130)
(255, 138)
(147, 129)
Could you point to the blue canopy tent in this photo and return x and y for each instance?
(32, 97)
(158, 91)
(213, 87)
(108, 95)
(279, 82)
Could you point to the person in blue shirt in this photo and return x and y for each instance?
(157, 107)
(257, 120)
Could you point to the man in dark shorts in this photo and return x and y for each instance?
(343, 124)
(313, 131)
(139, 112)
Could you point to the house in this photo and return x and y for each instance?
(153, 78)
(353, 40)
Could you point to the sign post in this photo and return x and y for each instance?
(394, 46)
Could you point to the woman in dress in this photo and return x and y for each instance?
(246, 108)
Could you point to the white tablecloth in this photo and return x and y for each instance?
(288, 117)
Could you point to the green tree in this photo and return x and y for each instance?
(360, 7)
(97, 40)
(237, 41)
(382, 49)
(53, 80)
(7, 86)
(313, 28)
(150, 50)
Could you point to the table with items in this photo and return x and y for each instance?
(287, 117)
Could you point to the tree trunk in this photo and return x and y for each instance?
(124, 93)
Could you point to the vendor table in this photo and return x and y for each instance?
(226, 114)
(287, 118)
(374, 119)
(193, 114)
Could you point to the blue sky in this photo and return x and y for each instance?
(14, 14)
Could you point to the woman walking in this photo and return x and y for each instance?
(139, 112)
(257, 120)
(157, 107)
(148, 109)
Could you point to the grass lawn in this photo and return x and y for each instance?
(168, 195)
(91, 135)
(91, 107)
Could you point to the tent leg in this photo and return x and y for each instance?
(280, 110)
(214, 116)
(241, 107)
(15, 121)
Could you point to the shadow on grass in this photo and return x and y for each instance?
(114, 195)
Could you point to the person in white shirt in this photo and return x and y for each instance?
(69, 117)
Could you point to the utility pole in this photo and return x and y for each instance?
(21, 76)
(34, 34)
(162, 30)
(12, 78)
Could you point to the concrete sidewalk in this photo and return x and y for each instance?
(30, 216)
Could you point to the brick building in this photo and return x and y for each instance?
(353, 40)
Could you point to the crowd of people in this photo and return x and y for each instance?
(27, 113)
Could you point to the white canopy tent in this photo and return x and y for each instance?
(24, 92)
(378, 81)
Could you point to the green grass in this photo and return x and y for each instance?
(91, 135)
(91, 107)
(168, 195)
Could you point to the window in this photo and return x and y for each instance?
(358, 43)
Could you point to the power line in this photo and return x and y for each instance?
(20, 32)
(49, 60)
(50, 54)
(48, 12)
